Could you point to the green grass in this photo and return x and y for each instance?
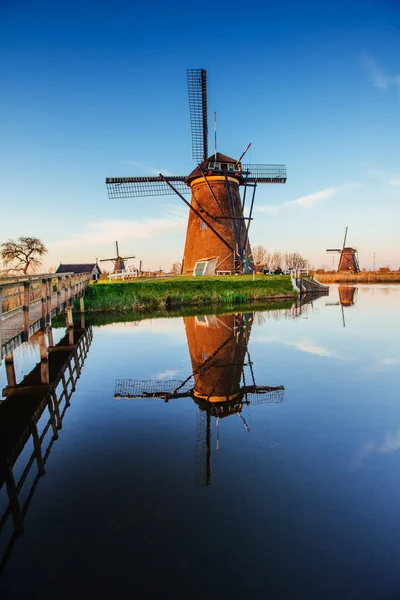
(174, 292)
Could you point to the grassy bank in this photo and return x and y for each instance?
(175, 292)
(367, 277)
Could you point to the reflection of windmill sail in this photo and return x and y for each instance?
(202, 472)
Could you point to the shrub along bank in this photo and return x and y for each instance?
(174, 292)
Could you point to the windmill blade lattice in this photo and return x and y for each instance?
(265, 173)
(136, 187)
(197, 87)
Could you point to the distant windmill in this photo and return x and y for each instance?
(348, 261)
(217, 231)
(119, 264)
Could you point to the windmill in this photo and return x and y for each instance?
(217, 384)
(348, 261)
(217, 236)
(119, 261)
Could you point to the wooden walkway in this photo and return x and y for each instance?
(29, 303)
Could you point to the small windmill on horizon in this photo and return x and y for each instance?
(348, 260)
(118, 260)
(217, 237)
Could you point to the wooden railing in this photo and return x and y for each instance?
(29, 302)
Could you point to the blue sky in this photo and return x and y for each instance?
(96, 89)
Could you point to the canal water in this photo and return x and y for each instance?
(219, 455)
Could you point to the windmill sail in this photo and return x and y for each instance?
(197, 87)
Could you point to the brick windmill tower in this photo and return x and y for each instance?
(348, 261)
(217, 237)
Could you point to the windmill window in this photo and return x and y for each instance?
(224, 167)
(203, 226)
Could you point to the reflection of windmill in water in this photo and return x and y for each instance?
(217, 230)
(348, 261)
(118, 260)
(219, 354)
(347, 298)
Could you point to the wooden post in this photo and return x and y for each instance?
(71, 336)
(25, 308)
(10, 370)
(38, 449)
(66, 290)
(68, 316)
(82, 304)
(44, 301)
(48, 303)
(1, 315)
(59, 286)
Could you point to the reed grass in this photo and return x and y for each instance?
(364, 277)
(175, 292)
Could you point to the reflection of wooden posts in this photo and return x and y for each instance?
(25, 308)
(82, 320)
(44, 362)
(13, 498)
(52, 416)
(37, 448)
(68, 316)
(56, 409)
(50, 336)
(10, 371)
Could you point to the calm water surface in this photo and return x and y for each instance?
(222, 486)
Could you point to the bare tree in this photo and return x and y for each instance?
(294, 260)
(260, 255)
(23, 254)
(275, 261)
(176, 268)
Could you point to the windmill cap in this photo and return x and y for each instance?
(218, 157)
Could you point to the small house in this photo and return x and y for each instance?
(92, 268)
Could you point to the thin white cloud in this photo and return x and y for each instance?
(309, 200)
(146, 169)
(315, 198)
(394, 181)
(99, 232)
(378, 76)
